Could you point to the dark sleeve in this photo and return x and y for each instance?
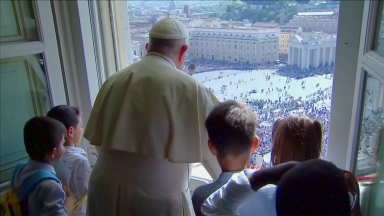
(197, 201)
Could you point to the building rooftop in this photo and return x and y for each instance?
(266, 24)
(325, 13)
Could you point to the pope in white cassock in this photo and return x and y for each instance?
(148, 120)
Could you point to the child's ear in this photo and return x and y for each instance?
(254, 144)
(70, 132)
(52, 153)
(212, 147)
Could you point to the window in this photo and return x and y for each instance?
(28, 56)
(368, 139)
(296, 66)
(379, 38)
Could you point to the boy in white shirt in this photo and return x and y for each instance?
(73, 169)
(231, 129)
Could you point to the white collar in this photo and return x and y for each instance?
(166, 58)
(72, 149)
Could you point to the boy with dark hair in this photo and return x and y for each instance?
(43, 139)
(231, 129)
(74, 169)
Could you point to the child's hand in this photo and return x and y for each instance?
(353, 187)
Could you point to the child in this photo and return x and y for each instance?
(296, 138)
(314, 187)
(73, 169)
(43, 139)
(231, 129)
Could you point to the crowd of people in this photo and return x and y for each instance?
(203, 65)
(296, 72)
(268, 110)
(267, 115)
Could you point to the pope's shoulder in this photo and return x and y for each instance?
(158, 71)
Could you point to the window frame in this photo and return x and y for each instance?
(371, 63)
(47, 47)
(340, 131)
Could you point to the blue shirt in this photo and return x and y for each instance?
(47, 198)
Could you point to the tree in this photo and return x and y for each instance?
(277, 18)
(289, 16)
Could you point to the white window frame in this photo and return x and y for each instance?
(353, 58)
(47, 46)
(77, 51)
(339, 149)
(371, 63)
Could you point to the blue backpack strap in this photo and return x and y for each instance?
(17, 168)
(32, 181)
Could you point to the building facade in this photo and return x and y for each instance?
(315, 21)
(187, 10)
(314, 49)
(234, 45)
(136, 51)
(283, 42)
(142, 38)
(172, 5)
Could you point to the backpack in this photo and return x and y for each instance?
(11, 200)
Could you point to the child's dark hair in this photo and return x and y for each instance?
(231, 127)
(41, 135)
(68, 115)
(314, 187)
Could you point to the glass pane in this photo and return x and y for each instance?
(379, 37)
(17, 21)
(371, 128)
(267, 54)
(24, 94)
(370, 155)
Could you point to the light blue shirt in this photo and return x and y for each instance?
(47, 198)
(74, 170)
(238, 198)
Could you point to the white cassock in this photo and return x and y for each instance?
(149, 121)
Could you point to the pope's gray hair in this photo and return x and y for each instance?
(166, 46)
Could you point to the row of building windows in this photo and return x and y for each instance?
(231, 34)
(229, 46)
